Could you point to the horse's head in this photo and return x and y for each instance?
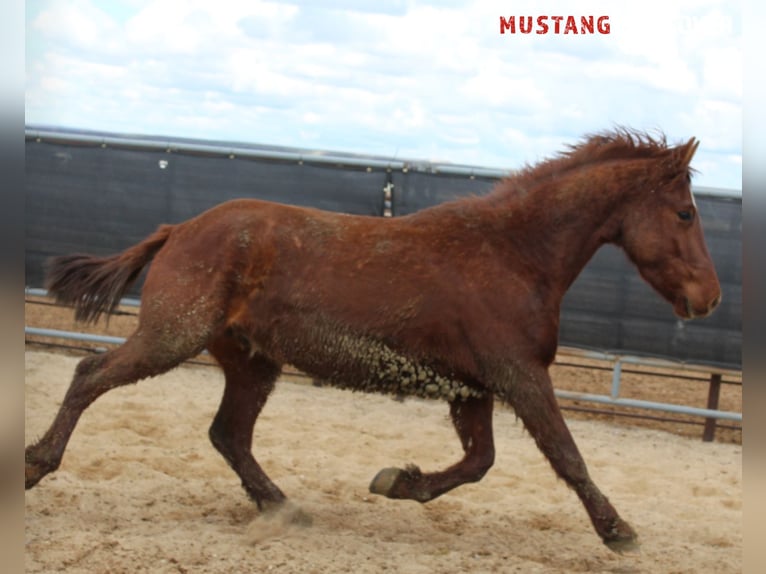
(662, 234)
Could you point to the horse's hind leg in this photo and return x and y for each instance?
(249, 381)
(139, 357)
(473, 422)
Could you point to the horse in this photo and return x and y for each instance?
(458, 302)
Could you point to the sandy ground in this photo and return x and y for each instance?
(142, 490)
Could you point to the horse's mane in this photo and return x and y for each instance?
(620, 143)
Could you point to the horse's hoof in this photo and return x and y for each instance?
(408, 483)
(32, 475)
(622, 538)
(621, 546)
(385, 481)
(35, 469)
(29, 481)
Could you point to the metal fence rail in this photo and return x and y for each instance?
(241, 150)
(613, 399)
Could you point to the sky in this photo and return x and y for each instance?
(403, 79)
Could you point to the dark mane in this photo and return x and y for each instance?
(620, 143)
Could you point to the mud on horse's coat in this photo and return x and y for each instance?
(460, 301)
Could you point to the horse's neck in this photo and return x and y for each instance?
(561, 224)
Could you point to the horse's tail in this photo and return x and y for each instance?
(94, 285)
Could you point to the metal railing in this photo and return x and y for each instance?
(613, 399)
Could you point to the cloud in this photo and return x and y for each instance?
(75, 24)
(422, 79)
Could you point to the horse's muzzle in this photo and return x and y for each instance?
(692, 312)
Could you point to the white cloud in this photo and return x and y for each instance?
(77, 23)
(431, 80)
(722, 74)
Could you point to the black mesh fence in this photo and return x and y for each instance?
(86, 196)
(101, 200)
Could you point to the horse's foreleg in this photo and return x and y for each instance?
(134, 360)
(473, 421)
(534, 401)
(249, 381)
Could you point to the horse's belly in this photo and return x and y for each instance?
(365, 364)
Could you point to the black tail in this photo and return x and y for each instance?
(95, 285)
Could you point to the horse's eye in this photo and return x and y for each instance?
(685, 215)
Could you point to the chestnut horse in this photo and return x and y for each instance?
(459, 301)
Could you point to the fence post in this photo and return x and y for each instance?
(616, 378)
(714, 393)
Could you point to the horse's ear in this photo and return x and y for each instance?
(688, 150)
